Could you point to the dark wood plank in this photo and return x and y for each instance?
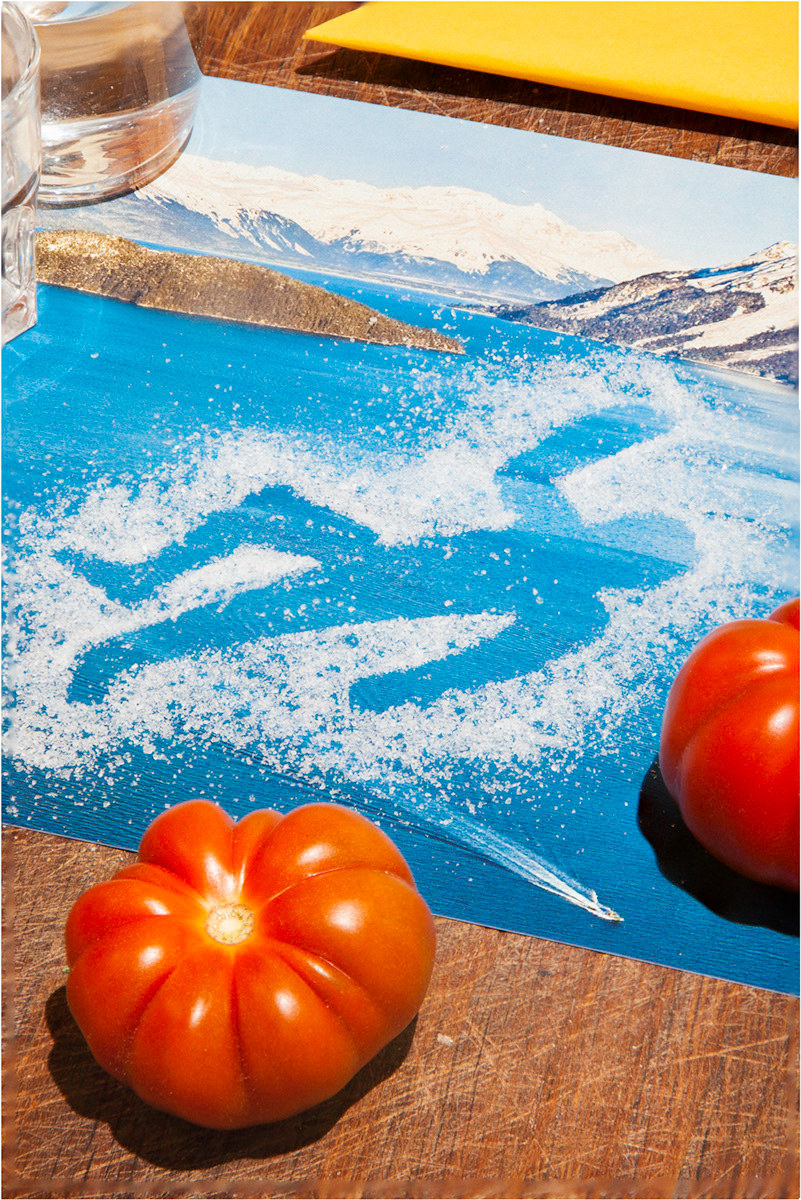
(533, 1069)
(532, 1066)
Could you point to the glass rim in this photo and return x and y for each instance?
(28, 72)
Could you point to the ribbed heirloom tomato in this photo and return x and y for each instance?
(729, 749)
(240, 973)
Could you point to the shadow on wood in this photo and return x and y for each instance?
(684, 861)
(390, 71)
(172, 1143)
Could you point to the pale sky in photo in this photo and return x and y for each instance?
(695, 213)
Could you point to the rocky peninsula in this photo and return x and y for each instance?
(223, 288)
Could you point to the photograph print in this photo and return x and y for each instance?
(397, 460)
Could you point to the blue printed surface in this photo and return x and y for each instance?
(451, 591)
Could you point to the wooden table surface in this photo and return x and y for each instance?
(533, 1069)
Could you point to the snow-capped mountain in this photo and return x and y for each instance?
(448, 239)
(743, 315)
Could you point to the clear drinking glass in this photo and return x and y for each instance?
(119, 90)
(20, 155)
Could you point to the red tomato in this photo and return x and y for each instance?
(729, 746)
(240, 973)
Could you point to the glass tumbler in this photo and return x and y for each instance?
(20, 155)
(120, 82)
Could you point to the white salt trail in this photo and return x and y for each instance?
(286, 700)
(519, 860)
(294, 686)
(446, 486)
(220, 580)
(64, 616)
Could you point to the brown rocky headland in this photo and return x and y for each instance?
(223, 288)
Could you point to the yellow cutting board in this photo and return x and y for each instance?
(731, 57)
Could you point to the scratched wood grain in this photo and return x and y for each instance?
(533, 1069)
(262, 43)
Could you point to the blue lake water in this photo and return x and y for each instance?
(451, 590)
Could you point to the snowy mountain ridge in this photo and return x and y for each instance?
(743, 315)
(458, 227)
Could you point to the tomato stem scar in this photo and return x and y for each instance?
(230, 924)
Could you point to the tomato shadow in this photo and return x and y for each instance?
(171, 1143)
(684, 862)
